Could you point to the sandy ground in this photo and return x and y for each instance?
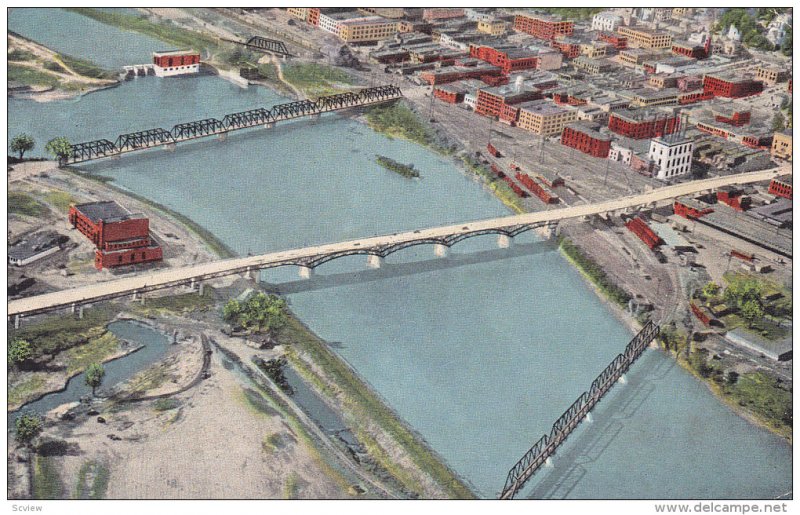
(210, 447)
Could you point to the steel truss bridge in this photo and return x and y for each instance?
(375, 248)
(158, 137)
(546, 446)
(262, 44)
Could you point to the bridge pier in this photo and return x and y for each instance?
(170, 147)
(80, 313)
(269, 125)
(306, 272)
(622, 379)
(549, 462)
(374, 261)
(16, 321)
(589, 417)
(191, 285)
(72, 308)
(440, 250)
(222, 136)
(504, 241)
(199, 290)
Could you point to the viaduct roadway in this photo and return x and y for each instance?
(309, 257)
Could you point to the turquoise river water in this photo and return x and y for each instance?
(479, 352)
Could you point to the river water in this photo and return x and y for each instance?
(479, 352)
(153, 346)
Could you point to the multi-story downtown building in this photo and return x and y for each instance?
(586, 137)
(672, 156)
(544, 118)
(542, 27)
(642, 123)
(645, 38)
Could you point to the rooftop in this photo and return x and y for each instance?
(185, 51)
(34, 244)
(106, 211)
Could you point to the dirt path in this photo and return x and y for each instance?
(274, 58)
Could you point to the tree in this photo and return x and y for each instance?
(22, 143)
(710, 290)
(94, 376)
(231, 311)
(59, 147)
(733, 376)
(19, 351)
(778, 123)
(752, 311)
(28, 427)
(786, 46)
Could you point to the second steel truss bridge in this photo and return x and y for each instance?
(158, 137)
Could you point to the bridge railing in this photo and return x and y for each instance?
(150, 138)
(545, 447)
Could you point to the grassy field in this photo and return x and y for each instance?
(181, 303)
(765, 397)
(177, 36)
(59, 199)
(92, 481)
(47, 482)
(362, 400)
(87, 68)
(21, 55)
(24, 204)
(594, 272)
(316, 79)
(23, 390)
(500, 189)
(55, 334)
(96, 350)
(398, 121)
(31, 77)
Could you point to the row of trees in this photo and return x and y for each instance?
(59, 148)
(744, 295)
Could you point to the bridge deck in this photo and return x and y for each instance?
(153, 138)
(376, 245)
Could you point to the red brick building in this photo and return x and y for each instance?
(781, 186)
(569, 48)
(732, 115)
(619, 42)
(542, 28)
(313, 16)
(586, 138)
(455, 73)
(121, 237)
(729, 86)
(491, 101)
(733, 197)
(690, 208)
(642, 124)
(506, 58)
(689, 50)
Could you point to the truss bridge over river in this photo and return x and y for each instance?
(260, 117)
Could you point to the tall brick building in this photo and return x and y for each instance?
(642, 123)
(541, 27)
(730, 86)
(121, 237)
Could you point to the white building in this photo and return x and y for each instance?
(672, 156)
(606, 21)
(470, 100)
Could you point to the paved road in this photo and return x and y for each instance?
(166, 278)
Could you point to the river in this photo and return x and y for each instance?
(479, 352)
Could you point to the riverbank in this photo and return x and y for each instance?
(38, 73)
(205, 236)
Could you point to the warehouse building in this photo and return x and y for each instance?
(121, 237)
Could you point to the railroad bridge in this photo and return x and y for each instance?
(262, 44)
(159, 137)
